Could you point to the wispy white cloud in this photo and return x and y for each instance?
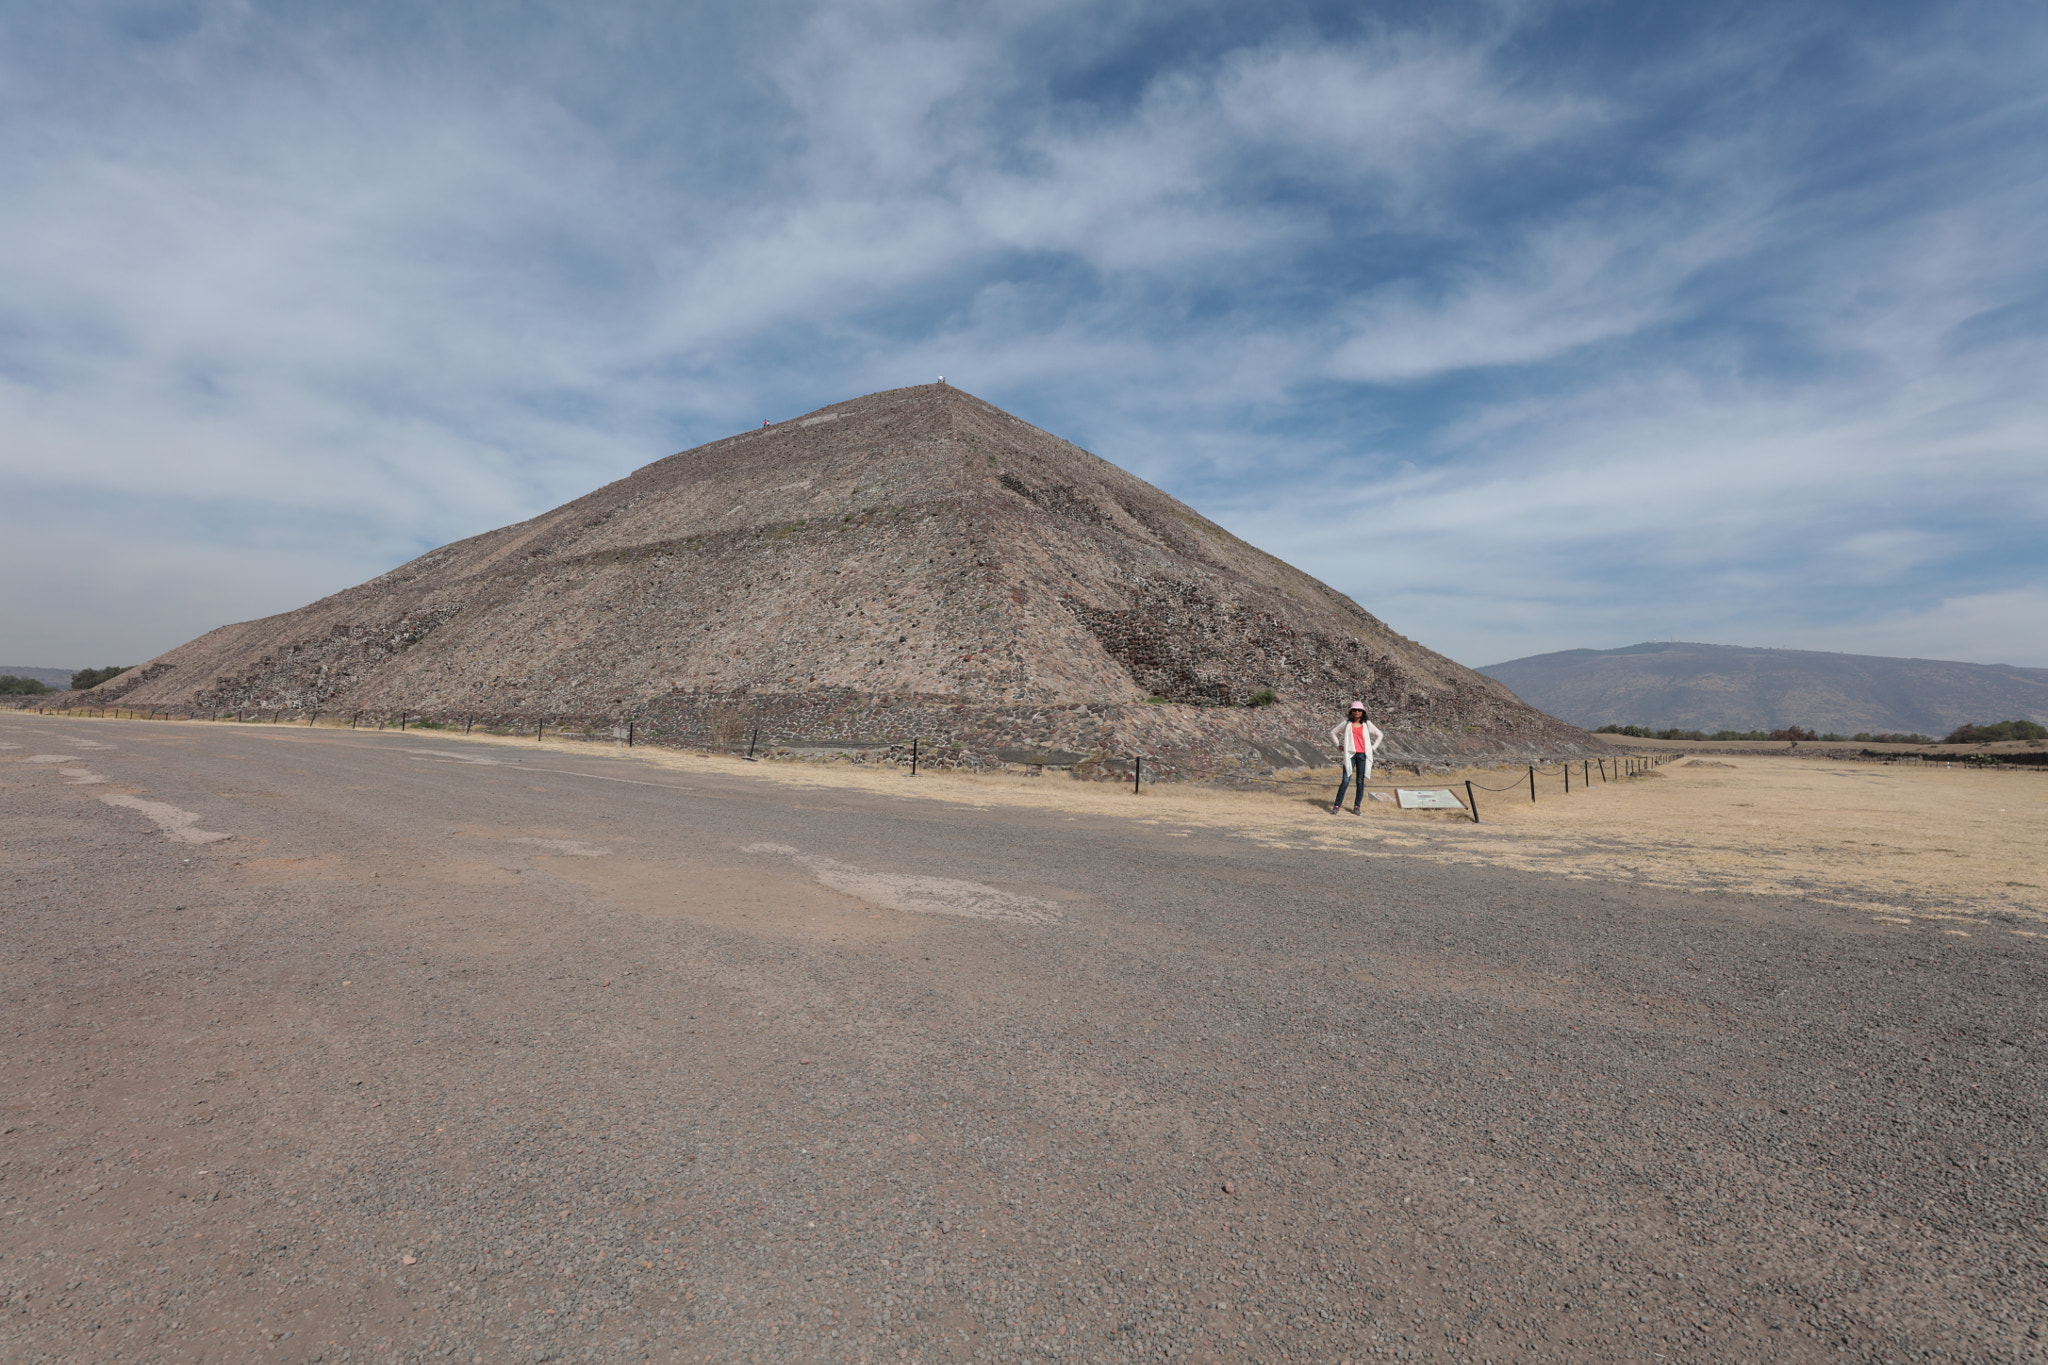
(1536, 335)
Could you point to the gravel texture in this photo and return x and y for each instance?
(446, 1053)
(915, 563)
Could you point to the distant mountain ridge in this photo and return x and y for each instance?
(1668, 684)
(59, 678)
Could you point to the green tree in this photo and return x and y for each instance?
(1993, 734)
(11, 686)
(93, 677)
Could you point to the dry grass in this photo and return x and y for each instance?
(1951, 843)
(1925, 841)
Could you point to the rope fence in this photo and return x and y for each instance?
(726, 738)
(1625, 767)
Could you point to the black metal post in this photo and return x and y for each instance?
(753, 740)
(1532, 781)
(1137, 772)
(1586, 772)
(913, 755)
(1567, 777)
(536, 730)
(1471, 801)
(467, 721)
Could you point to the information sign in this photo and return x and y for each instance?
(1427, 799)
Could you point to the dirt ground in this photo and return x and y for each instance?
(1960, 844)
(331, 1047)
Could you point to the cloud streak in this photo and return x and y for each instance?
(1528, 327)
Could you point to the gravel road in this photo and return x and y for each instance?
(381, 1047)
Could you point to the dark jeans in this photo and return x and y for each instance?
(1355, 768)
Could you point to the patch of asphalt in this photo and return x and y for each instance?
(320, 1093)
(917, 894)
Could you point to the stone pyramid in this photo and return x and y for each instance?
(912, 563)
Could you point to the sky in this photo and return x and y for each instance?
(1531, 326)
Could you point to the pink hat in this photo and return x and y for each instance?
(1355, 706)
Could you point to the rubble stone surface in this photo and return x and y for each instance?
(911, 564)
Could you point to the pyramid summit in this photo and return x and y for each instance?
(915, 562)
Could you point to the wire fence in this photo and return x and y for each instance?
(742, 739)
(1625, 766)
(737, 736)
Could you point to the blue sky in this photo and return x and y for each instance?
(1531, 326)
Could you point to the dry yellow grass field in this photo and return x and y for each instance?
(1968, 846)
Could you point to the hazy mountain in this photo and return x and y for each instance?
(59, 678)
(1714, 687)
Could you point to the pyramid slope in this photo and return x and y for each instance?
(912, 558)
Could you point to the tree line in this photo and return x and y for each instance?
(1962, 734)
(12, 686)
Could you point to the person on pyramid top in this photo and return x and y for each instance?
(1355, 737)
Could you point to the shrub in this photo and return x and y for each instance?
(1793, 732)
(11, 686)
(1739, 734)
(93, 677)
(1156, 701)
(1993, 734)
(1263, 697)
(1645, 732)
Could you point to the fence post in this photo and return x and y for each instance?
(1567, 765)
(1471, 801)
(913, 755)
(753, 740)
(1532, 781)
(1585, 772)
(536, 730)
(1137, 772)
(467, 721)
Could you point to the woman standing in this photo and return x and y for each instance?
(1356, 738)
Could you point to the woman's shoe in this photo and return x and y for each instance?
(1337, 808)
